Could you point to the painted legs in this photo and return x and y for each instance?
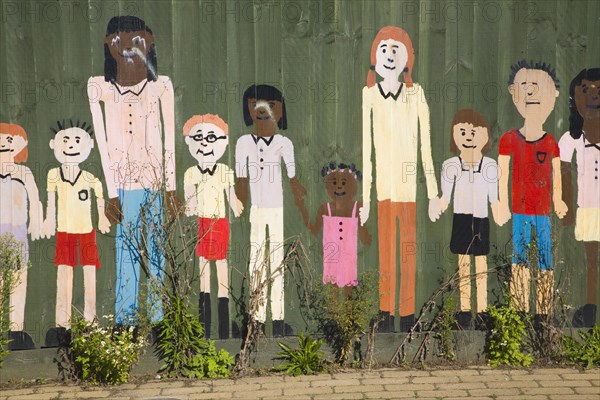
(464, 272)
(388, 213)
(222, 293)
(138, 234)
(64, 294)
(260, 219)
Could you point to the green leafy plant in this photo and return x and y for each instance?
(585, 353)
(104, 354)
(182, 347)
(444, 324)
(11, 262)
(506, 338)
(305, 360)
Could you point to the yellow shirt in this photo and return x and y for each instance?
(395, 134)
(74, 204)
(210, 189)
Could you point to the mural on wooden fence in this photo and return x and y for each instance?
(248, 199)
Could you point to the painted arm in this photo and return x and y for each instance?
(367, 148)
(447, 183)
(493, 194)
(567, 192)
(318, 224)
(36, 214)
(167, 104)
(191, 202)
(94, 92)
(236, 205)
(50, 222)
(504, 173)
(363, 232)
(241, 164)
(103, 222)
(297, 189)
(560, 208)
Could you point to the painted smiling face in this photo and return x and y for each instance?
(534, 94)
(266, 115)
(11, 145)
(469, 138)
(587, 99)
(207, 142)
(391, 59)
(341, 185)
(72, 145)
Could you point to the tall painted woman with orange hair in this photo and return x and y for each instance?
(396, 122)
(17, 190)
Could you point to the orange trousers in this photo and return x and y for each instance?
(388, 213)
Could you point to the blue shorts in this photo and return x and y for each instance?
(522, 241)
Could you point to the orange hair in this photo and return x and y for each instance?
(207, 119)
(16, 130)
(394, 33)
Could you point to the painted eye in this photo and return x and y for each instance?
(197, 138)
(64, 140)
(76, 140)
(383, 51)
(585, 90)
(463, 133)
(343, 183)
(211, 138)
(9, 139)
(394, 51)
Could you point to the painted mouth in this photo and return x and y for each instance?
(469, 147)
(531, 102)
(206, 154)
(592, 106)
(390, 68)
(70, 154)
(5, 150)
(339, 193)
(265, 118)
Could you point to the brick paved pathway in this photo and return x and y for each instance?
(470, 383)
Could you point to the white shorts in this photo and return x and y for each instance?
(587, 224)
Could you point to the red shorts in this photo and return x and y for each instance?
(67, 249)
(213, 238)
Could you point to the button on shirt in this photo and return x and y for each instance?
(130, 134)
(588, 161)
(473, 187)
(259, 160)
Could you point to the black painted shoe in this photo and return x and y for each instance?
(223, 309)
(407, 322)
(288, 330)
(57, 337)
(482, 321)
(278, 328)
(20, 340)
(463, 320)
(384, 322)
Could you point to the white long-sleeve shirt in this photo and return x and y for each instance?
(397, 119)
(130, 133)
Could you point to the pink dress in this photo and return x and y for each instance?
(340, 249)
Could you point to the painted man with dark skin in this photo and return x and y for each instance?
(136, 141)
(583, 141)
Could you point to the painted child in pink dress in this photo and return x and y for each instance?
(341, 230)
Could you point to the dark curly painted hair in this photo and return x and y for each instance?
(332, 167)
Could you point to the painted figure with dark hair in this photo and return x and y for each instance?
(471, 180)
(137, 149)
(536, 183)
(258, 163)
(583, 140)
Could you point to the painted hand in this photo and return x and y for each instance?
(35, 230)
(569, 218)
(435, 208)
(241, 189)
(560, 208)
(363, 212)
(103, 223)
(503, 213)
(113, 211)
(297, 189)
(239, 208)
(443, 205)
(48, 228)
(174, 204)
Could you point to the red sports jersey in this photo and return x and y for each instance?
(531, 171)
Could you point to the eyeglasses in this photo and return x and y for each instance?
(210, 138)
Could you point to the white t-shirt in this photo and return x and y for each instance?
(473, 187)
